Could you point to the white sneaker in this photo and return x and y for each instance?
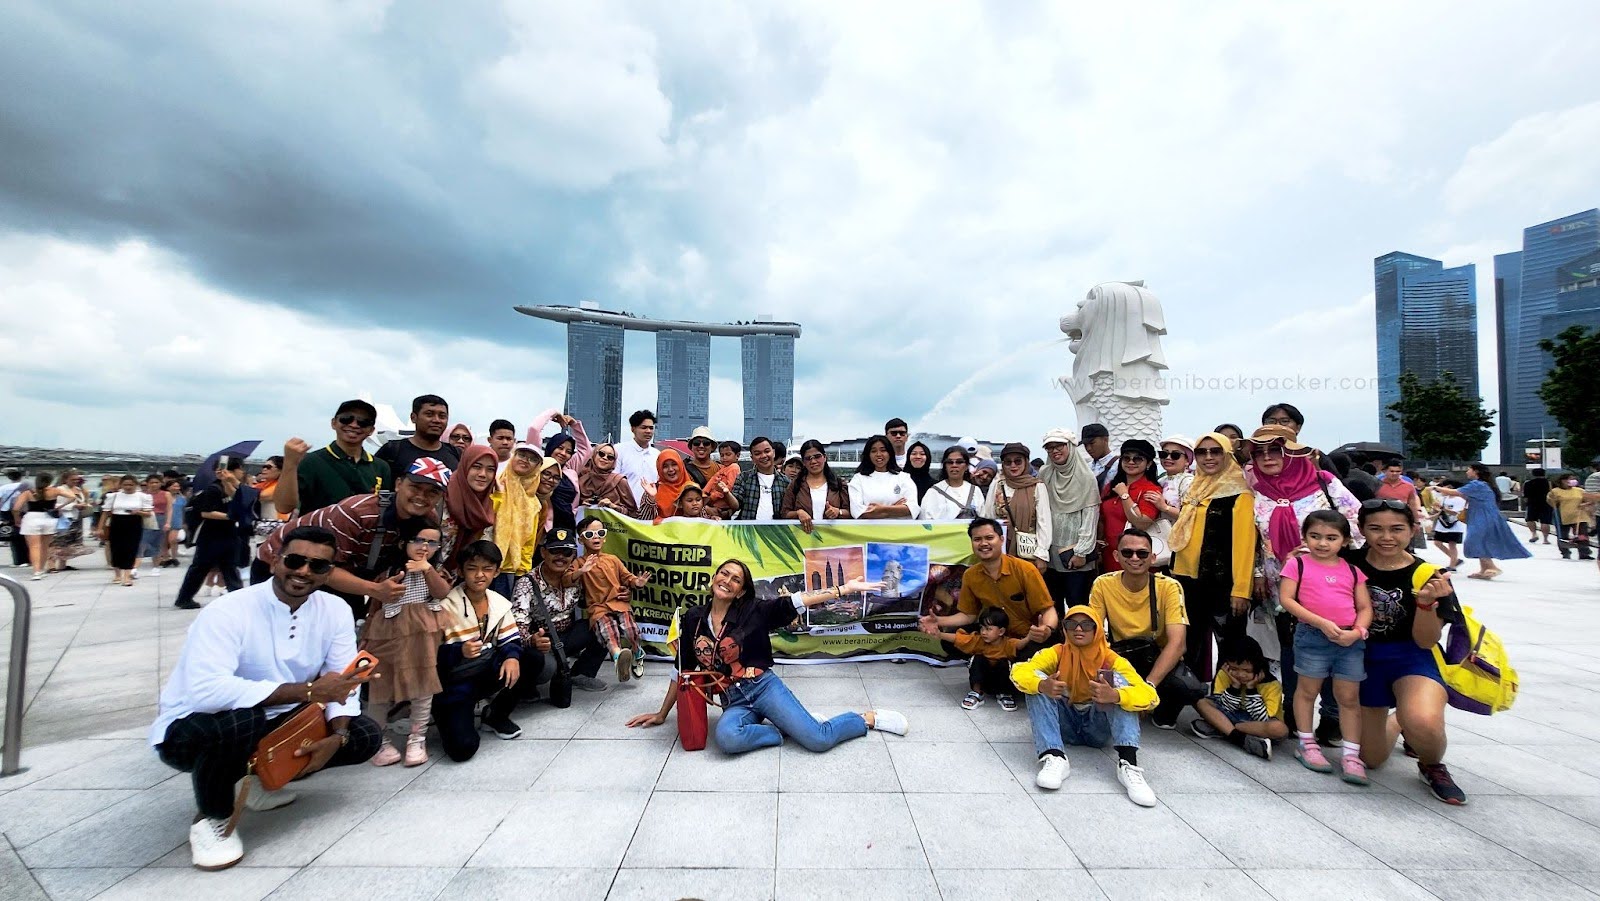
(1132, 779)
(1053, 770)
(136, 572)
(261, 799)
(212, 846)
(890, 721)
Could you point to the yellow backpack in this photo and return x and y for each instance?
(1477, 672)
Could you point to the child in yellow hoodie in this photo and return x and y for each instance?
(1080, 692)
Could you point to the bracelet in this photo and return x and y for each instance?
(1421, 606)
(344, 736)
(308, 692)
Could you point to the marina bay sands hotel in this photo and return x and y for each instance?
(683, 370)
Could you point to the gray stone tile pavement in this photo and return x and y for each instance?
(583, 808)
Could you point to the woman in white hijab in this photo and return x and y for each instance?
(1074, 503)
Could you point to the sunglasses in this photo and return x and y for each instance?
(594, 533)
(1209, 452)
(701, 442)
(296, 562)
(1134, 458)
(898, 433)
(812, 458)
(352, 419)
(1174, 455)
(1271, 450)
(1133, 553)
(606, 456)
(1078, 625)
(1385, 503)
(424, 541)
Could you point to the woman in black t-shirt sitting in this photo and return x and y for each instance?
(1401, 673)
(730, 635)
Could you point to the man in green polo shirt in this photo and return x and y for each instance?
(342, 469)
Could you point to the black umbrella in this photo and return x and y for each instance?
(208, 469)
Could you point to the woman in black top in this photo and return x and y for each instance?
(1401, 673)
(730, 635)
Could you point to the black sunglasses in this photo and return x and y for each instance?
(318, 565)
(1173, 455)
(351, 418)
(701, 442)
(1385, 503)
(1078, 625)
(1209, 452)
(1130, 553)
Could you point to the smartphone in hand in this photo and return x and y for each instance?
(362, 667)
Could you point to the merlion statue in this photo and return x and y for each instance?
(1118, 372)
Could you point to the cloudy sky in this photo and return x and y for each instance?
(218, 220)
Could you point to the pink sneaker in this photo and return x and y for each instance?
(1311, 757)
(416, 750)
(1355, 771)
(386, 756)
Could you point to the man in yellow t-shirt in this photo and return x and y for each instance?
(1122, 601)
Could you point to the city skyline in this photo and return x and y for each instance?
(1427, 325)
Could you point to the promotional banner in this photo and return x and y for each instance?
(919, 563)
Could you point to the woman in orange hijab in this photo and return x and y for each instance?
(671, 478)
(1081, 692)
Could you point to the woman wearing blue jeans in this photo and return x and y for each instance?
(731, 635)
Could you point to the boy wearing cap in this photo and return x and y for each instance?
(1096, 440)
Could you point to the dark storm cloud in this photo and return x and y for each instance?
(352, 184)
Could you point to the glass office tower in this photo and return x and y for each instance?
(768, 369)
(1507, 310)
(1427, 324)
(683, 382)
(594, 378)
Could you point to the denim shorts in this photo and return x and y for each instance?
(1234, 716)
(1389, 662)
(1315, 657)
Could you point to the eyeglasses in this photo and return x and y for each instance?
(1209, 452)
(353, 419)
(955, 461)
(1078, 625)
(594, 533)
(1279, 420)
(1133, 553)
(1173, 455)
(429, 542)
(1260, 452)
(318, 566)
(812, 458)
(1385, 503)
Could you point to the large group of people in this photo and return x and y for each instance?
(1268, 586)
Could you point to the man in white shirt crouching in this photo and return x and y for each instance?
(251, 658)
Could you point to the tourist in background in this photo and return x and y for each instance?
(122, 527)
(72, 503)
(1073, 500)
(1489, 536)
(818, 493)
(153, 543)
(880, 490)
(898, 433)
(1536, 496)
(1449, 522)
(1233, 433)
(955, 497)
(1572, 516)
(35, 508)
(174, 535)
(1096, 441)
(9, 493)
(216, 544)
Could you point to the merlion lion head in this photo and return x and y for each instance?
(1074, 322)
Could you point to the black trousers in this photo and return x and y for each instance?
(1069, 589)
(1209, 603)
(585, 653)
(216, 747)
(454, 708)
(124, 534)
(990, 676)
(221, 555)
(19, 544)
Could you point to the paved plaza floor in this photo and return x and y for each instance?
(582, 808)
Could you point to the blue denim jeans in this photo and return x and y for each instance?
(740, 727)
(1057, 723)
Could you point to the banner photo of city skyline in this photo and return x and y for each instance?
(920, 566)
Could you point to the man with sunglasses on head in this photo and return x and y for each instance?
(250, 659)
(313, 480)
(362, 524)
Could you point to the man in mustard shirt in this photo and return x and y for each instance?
(1080, 692)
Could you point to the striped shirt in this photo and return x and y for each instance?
(353, 522)
(461, 623)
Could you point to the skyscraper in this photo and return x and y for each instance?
(768, 386)
(1507, 312)
(1549, 251)
(1427, 318)
(683, 381)
(594, 378)
(683, 370)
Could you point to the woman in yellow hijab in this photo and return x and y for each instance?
(518, 514)
(1214, 549)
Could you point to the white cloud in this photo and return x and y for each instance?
(121, 348)
(1546, 160)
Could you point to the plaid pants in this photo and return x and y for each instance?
(216, 748)
(616, 628)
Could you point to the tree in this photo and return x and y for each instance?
(1571, 391)
(1438, 421)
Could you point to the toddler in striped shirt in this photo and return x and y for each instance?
(1245, 707)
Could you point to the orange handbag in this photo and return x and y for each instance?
(274, 762)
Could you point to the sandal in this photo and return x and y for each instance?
(973, 700)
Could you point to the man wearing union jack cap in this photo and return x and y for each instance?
(430, 471)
